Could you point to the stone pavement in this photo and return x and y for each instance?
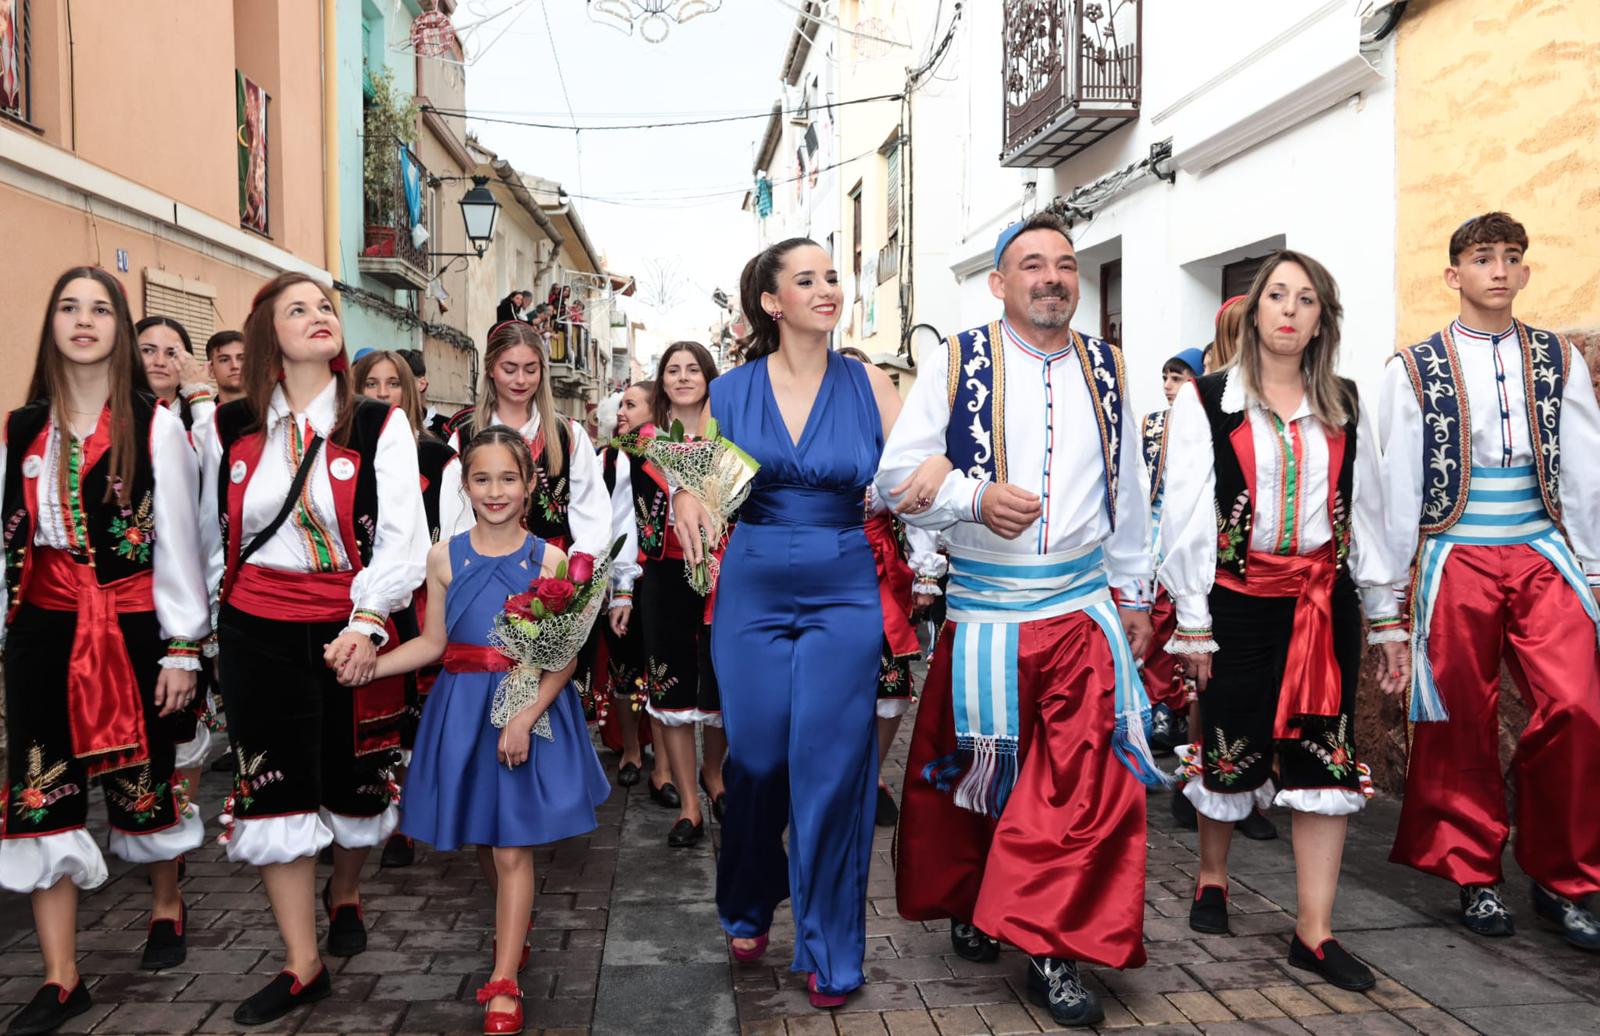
(627, 942)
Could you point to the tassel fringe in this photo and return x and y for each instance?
(1132, 744)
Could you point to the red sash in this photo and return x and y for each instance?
(269, 593)
(1312, 682)
(894, 586)
(475, 658)
(104, 709)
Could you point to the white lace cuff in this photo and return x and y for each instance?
(1397, 635)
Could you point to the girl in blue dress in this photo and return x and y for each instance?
(469, 783)
(797, 626)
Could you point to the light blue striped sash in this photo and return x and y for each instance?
(989, 596)
(1504, 507)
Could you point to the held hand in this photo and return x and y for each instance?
(1008, 510)
(514, 741)
(174, 690)
(1136, 624)
(619, 619)
(918, 492)
(1197, 667)
(1396, 675)
(353, 656)
(920, 603)
(692, 523)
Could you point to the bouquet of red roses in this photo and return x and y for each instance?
(543, 628)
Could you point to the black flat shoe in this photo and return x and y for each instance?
(347, 932)
(166, 946)
(280, 996)
(1578, 926)
(1333, 962)
(1055, 985)
(1183, 810)
(49, 1008)
(971, 943)
(1258, 827)
(1484, 913)
(628, 775)
(398, 851)
(719, 803)
(888, 813)
(1209, 911)
(666, 796)
(685, 834)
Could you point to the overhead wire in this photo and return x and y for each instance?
(668, 124)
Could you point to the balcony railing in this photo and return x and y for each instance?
(1070, 76)
(390, 252)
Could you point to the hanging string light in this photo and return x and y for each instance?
(654, 18)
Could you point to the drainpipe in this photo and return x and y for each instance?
(330, 138)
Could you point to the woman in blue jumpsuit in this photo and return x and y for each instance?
(797, 624)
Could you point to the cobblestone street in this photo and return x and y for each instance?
(627, 942)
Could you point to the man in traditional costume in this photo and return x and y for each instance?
(1022, 818)
(1507, 540)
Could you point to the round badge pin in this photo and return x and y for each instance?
(342, 469)
(237, 473)
(32, 466)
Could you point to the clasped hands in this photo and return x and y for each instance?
(353, 657)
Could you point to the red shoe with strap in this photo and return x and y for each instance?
(501, 1023)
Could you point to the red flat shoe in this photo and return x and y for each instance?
(527, 949)
(501, 1023)
(823, 1001)
(751, 955)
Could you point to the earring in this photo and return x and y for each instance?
(776, 314)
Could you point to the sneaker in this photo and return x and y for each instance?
(50, 1007)
(888, 813)
(1483, 911)
(282, 995)
(1163, 731)
(1054, 984)
(1333, 962)
(1258, 827)
(1209, 911)
(1578, 925)
(1183, 810)
(970, 943)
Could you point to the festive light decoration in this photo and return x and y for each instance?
(654, 18)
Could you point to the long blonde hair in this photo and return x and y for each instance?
(1325, 391)
(509, 335)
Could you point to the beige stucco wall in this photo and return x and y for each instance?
(1498, 107)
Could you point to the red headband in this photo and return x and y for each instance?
(1224, 307)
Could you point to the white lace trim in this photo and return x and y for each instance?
(188, 663)
(362, 832)
(35, 864)
(1227, 807)
(160, 846)
(1176, 646)
(1395, 636)
(1327, 802)
(268, 840)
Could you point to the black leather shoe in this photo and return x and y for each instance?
(1183, 810)
(50, 1006)
(970, 943)
(628, 775)
(280, 996)
(888, 813)
(719, 803)
(1258, 827)
(685, 834)
(347, 932)
(1333, 962)
(398, 851)
(1578, 926)
(1484, 913)
(166, 946)
(1209, 911)
(1055, 985)
(666, 796)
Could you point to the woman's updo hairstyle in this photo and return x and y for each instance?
(761, 275)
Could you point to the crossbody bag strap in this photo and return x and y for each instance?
(301, 474)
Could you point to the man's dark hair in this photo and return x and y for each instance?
(1177, 366)
(1044, 219)
(413, 358)
(1491, 228)
(220, 339)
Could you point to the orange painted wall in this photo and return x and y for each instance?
(1497, 106)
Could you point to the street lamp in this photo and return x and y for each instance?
(479, 211)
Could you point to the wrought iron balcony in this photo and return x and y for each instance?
(394, 206)
(1070, 76)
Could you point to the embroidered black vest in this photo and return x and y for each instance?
(1233, 449)
(1435, 373)
(432, 457)
(547, 517)
(121, 540)
(975, 436)
(1153, 436)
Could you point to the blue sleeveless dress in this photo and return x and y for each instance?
(457, 792)
(795, 639)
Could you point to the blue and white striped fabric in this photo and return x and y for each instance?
(1504, 507)
(989, 596)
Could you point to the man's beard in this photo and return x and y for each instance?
(1048, 318)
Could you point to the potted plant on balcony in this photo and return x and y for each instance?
(388, 120)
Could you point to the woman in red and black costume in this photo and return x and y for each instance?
(386, 376)
(320, 538)
(105, 605)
